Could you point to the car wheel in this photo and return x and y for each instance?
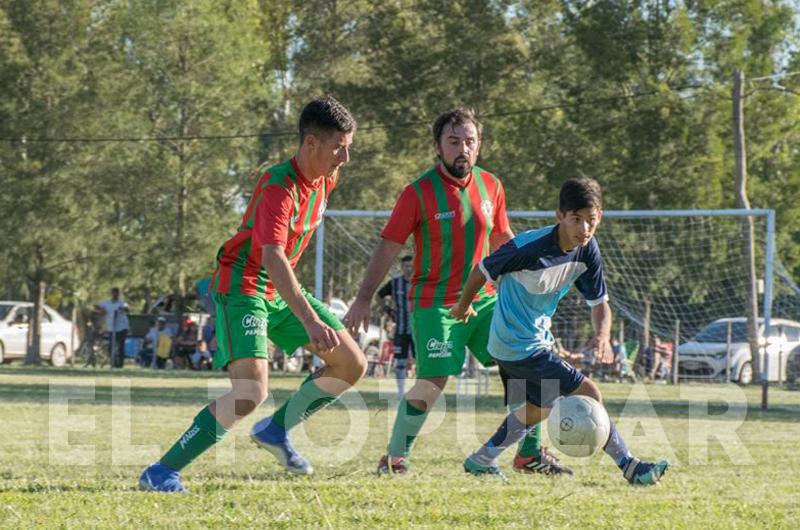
(58, 355)
(746, 374)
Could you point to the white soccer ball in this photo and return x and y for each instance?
(578, 426)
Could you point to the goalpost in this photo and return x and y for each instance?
(662, 268)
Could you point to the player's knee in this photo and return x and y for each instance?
(249, 399)
(360, 366)
(589, 388)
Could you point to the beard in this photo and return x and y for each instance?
(458, 172)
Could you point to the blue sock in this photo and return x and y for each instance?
(510, 432)
(616, 448)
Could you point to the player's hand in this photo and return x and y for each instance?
(603, 353)
(357, 316)
(322, 337)
(461, 313)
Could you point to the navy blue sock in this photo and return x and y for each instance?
(510, 432)
(616, 448)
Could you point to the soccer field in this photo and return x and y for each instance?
(64, 466)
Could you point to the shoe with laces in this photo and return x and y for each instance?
(545, 462)
(639, 473)
(159, 477)
(474, 468)
(275, 439)
(392, 465)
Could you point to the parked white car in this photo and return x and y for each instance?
(705, 356)
(56, 333)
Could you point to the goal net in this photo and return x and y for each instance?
(661, 268)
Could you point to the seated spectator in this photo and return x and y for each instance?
(158, 344)
(202, 358)
(185, 346)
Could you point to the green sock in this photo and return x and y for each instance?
(308, 399)
(407, 425)
(204, 432)
(531, 445)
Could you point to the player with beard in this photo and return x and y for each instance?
(457, 213)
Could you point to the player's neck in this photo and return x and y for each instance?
(305, 168)
(563, 241)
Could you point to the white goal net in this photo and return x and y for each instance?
(661, 267)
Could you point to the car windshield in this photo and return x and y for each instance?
(718, 332)
(4, 309)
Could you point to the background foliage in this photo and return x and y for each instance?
(130, 128)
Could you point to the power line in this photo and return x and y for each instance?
(279, 133)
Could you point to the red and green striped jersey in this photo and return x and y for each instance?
(285, 210)
(452, 223)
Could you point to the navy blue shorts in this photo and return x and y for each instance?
(540, 379)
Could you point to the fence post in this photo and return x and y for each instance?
(728, 342)
(675, 343)
(319, 251)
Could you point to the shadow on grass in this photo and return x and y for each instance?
(130, 372)
(167, 396)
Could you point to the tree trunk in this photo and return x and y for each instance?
(748, 230)
(33, 355)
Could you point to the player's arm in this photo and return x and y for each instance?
(506, 259)
(270, 232)
(501, 233)
(379, 264)
(279, 270)
(601, 322)
(592, 285)
(463, 309)
(404, 219)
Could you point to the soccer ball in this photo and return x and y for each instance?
(578, 426)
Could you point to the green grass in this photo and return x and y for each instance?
(713, 484)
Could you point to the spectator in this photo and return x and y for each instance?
(185, 345)
(201, 358)
(159, 341)
(661, 359)
(116, 312)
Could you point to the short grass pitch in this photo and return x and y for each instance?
(62, 464)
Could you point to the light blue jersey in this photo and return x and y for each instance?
(533, 274)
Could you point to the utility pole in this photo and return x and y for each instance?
(748, 231)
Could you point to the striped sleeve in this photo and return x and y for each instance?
(273, 216)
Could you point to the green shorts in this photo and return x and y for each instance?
(245, 322)
(441, 341)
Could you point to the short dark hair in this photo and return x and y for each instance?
(115, 290)
(406, 258)
(325, 115)
(580, 193)
(457, 116)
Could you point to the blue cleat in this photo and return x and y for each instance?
(639, 473)
(275, 439)
(159, 477)
(474, 468)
